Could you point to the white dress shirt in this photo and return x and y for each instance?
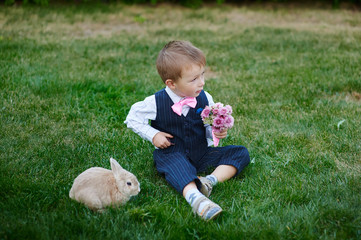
(141, 112)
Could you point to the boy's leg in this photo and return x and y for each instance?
(191, 185)
(224, 172)
(229, 162)
(177, 169)
(230, 156)
(220, 174)
(181, 174)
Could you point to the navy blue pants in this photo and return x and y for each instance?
(179, 170)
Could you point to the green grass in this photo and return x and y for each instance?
(69, 75)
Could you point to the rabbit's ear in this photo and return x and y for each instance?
(116, 168)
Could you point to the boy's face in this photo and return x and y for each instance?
(191, 83)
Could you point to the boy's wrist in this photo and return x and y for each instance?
(151, 134)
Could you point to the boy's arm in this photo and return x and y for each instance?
(207, 126)
(139, 115)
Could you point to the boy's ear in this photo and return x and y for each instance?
(170, 83)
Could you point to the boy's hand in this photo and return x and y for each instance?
(160, 140)
(221, 135)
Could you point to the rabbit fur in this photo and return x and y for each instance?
(98, 187)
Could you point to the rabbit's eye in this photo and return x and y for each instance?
(129, 183)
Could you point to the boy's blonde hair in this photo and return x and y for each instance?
(175, 57)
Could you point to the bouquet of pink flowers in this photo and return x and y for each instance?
(219, 117)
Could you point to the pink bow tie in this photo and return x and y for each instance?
(190, 101)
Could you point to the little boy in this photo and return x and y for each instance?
(178, 133)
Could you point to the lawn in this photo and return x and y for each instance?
(69, 75)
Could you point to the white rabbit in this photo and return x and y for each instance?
(98, 187)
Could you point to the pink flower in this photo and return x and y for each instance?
(218, 122)
(218, 105)
(215, 111)
(229, 108)
(228, 121)
(205, 113)
(223, 111)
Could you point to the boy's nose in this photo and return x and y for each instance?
(201, 83)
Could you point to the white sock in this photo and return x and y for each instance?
(213, 179)
(191, 197)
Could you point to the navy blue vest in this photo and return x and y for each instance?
(189, 133)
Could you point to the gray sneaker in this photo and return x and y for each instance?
(207, 186)
(209, 212)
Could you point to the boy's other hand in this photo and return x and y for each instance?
(221, 135)
(160, 140)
